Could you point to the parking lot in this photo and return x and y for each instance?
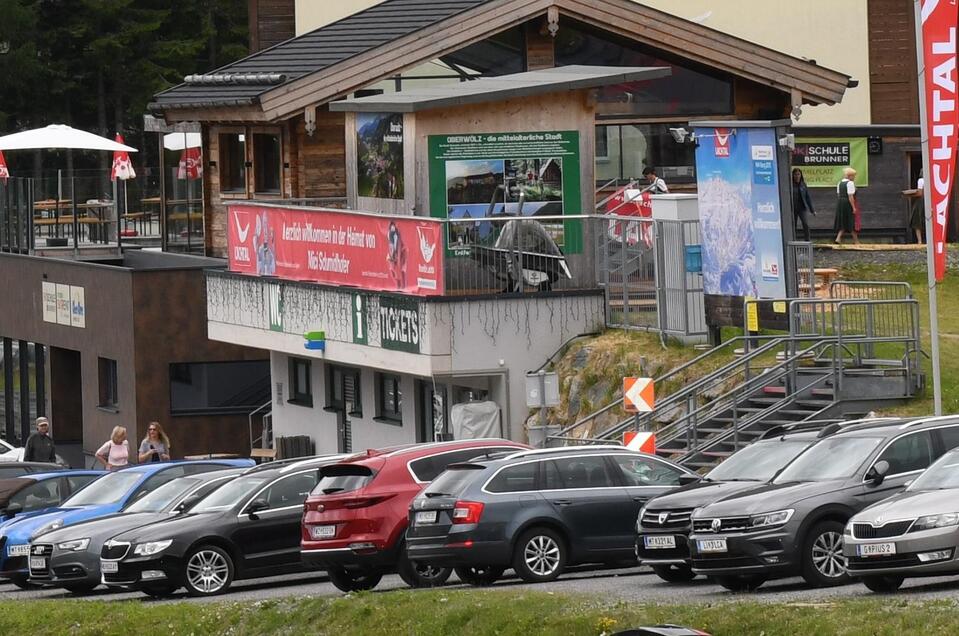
(631, 585)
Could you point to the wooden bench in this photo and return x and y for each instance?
(263, 454)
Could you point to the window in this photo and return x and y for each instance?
(642, 471)
(301, 383)
(232, 162)
(290, 491)
(343, 390)
(159, 478)
(519, 478)
(107, 372)
(218, 387)
(602, 143)
(77, 482)
(389, 398)
(912, 452)
(584, 472)
(426, 469)
(42, 494)
(632, 147)
(267, 163)
(949, 437)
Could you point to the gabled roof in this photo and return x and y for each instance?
(342, 57)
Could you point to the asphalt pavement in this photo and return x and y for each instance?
(610, 585)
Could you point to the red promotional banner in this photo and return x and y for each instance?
(628, 202)
(941, 116)
(366, 251)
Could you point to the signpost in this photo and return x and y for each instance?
(639, 395)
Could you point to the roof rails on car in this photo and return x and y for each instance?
(858, 424)
(798, 427)
(930, 420)
(453, 442)
(565, 449)
(294, 463)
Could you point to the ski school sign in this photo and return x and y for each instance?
(941, 116)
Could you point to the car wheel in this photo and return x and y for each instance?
(679, 573)
(80, 588)
(209, 571)
(159, 591)
(353, 580)
(822, 562)
(882, 584)
(479, 575)
(416, 574)
(540, 555)
(741, 583)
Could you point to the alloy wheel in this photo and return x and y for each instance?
(207, 571)
(827, 555)
(427, 571)
(541, 555)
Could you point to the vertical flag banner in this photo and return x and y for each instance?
(939, 19)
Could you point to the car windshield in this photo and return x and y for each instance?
(836, 458)
(453, 481)
(227, 496)
(942, 475)
(758, 462)
(105, 490)
(161, 498)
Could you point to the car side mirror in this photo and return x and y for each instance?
(257, 505)
(187, 503)
(878, 472)
(908, 483)
(685, 480)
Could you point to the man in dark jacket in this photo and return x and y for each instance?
(39, 446)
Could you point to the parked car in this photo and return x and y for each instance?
(10, 454)
(16, 469)
(111, 493)
(536, 511)
(248, 528)
(912, 534)
(794, 525)
(664, 524)
(34, 493)
(355, 520)
(70, 557)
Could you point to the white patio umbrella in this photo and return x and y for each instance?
(179, 141)
(59, 136)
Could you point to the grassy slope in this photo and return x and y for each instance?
(474, 612)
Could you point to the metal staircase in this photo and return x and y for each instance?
(842, 355)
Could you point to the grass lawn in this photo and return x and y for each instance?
(948, 298)
(472, 612)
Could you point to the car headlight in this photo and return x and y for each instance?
(152, 547)
(76, 545)
(770, 519)
(53, 525)
(639, 519)
(935, 521)
(847, 531)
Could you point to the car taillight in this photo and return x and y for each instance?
(467, 512)
(364, 502)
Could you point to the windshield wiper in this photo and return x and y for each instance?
(330, 491)
(744, 479)
(437, 494)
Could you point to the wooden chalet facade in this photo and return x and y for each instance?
(269, 134)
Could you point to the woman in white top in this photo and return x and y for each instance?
(116, 452)
(847, 208)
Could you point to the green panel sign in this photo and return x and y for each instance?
(275, 294)
(822, 160)
(479, 175)
(360, 329)
(399, 320)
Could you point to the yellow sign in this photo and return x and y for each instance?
(752, 315)
(779, 306)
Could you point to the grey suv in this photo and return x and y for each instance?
(536, 511)
(912, 534)
(794, 525)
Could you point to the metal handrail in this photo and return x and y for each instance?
(258, 409)
(631, 182)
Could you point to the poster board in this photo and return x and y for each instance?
(823, 159)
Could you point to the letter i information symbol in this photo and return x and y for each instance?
(359, 319)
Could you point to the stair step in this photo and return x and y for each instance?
(774, 390)
(711, 453)
(829, 392)
(879, 362)
(766, 400)
(797, 413)
(814, 404)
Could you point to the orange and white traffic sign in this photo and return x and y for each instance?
(638, 395)
(640, 441)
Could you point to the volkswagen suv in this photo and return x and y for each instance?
(536, 511)
(794, 525)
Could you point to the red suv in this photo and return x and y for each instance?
(354, 521)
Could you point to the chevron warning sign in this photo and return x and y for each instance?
(638, 395)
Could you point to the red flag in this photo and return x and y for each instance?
(941, 117)
(122, 168)
(4, 173)
(191, 165)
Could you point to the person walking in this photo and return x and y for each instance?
(40, 446)
(115, 453)
(155, 447)
(802, 202)
(656, 185)
(847, 208)
(917, 221)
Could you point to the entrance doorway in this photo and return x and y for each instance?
(66, 404)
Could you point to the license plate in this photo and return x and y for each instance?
(38, 563)
(876, 549)
(108, 566)
(426, 516)
(711, 545)
(18, 550)
(323, 532)
(660, 542)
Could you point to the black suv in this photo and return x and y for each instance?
(794, 525)
(536, 511)
(664, 523)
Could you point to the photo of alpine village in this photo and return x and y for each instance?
(379, 150)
